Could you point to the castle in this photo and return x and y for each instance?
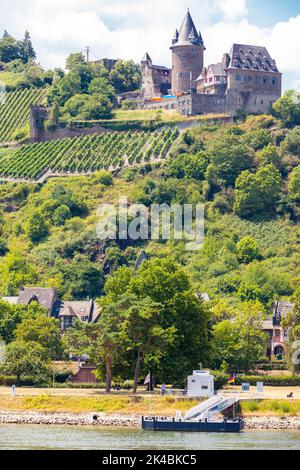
(246, 78)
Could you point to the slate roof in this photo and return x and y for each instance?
(245, 57)
(146, 58)
(188, 33)
(83, 309)
(46, 297)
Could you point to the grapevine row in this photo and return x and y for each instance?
(14, 112)
(87, 154)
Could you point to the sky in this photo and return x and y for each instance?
(128, 28)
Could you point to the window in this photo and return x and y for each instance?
(238, 78)
(204, 387)
(274, 81)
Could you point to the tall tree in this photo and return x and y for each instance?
(27, 48)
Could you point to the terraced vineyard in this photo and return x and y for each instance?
(87, 154)
(14, 113)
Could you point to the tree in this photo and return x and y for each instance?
(12, 315)
(28, 52)
(75, 60)
(61, 215)
(294, 185)
(239, 343)
(97, 107)
(287, 108)
(188, 166)
(257, 192)
(258, 139)
(26, 359)
(36, 227)
(125, 76)
(269, 156)
(102, 86)
(229, 157)
(248, 250)
(42, 330)
(15, 271)
(291, 143)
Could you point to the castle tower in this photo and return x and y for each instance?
(187, 56)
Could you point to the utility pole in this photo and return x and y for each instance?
(87, 50)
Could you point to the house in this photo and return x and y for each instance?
(278, 335)
(66, 311)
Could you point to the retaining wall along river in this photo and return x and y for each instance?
(129, 421)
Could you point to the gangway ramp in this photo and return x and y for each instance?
(210, 407)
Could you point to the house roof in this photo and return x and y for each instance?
(212, 69)
(44, 296)
(246, 57)
(188, 33)
(84, 309)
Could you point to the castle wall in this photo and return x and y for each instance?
(201, 104)
(255, 91)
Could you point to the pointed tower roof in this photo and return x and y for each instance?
(188, 33)
(175, 37)
(146, 58)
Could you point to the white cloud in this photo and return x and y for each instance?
(127, 28)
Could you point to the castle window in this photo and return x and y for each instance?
(262, 102)
(238, 78)
(274, 81)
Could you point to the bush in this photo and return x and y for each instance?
(276, 381)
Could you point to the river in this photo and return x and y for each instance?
(36, 437)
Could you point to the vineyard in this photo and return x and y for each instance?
(14, 112)
(87, 154)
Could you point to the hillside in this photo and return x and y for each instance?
(86, 154)
(189, 175)
(14, 113)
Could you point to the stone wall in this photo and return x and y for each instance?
(255, 91)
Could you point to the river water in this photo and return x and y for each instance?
(36, 437)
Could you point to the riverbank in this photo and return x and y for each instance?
(129, 421)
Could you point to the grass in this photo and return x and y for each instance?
(137, 405)
(12, 80)
(129, 405)
(162, 114)
(270, 408)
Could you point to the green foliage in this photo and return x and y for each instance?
(258, 139)
(42, 330)
(287, 108)
(61, 214)
(187, 166)
(239, 343)
(294, 185)
(36, 227)
(125, 76)
(257, 193)
(291, 144)
(229, 158)
(248, 250)
(26, 358)
(11, 49)
(269, 156)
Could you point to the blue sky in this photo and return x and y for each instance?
(129, 28)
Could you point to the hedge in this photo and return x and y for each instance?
(279, 380)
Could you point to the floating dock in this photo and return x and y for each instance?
(161, 424)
